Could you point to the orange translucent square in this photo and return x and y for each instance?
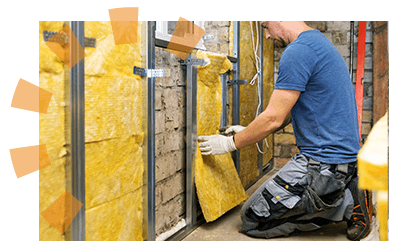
(27, 160)
(184, 38)
(61, 212)
(31, 97)
(69, 50)
(124, 22)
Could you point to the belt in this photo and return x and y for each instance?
(345, 168)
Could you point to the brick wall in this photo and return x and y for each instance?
(170, 128)
(338, 32)
(169, 142)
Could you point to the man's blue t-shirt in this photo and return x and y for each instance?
(324, 118)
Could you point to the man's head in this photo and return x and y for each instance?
(283, 32)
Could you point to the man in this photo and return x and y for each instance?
(320, 184)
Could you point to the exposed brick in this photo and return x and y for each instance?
(165, 166)
(367, 116)
(179, 120)
(174, 141)
(172, 187)
(277, 54)
(365, 128)
(339, 37)
(167, 215)
(277, 150)
(223, 23)
(158, 99)
(294, 150)
(367, 76)
(170, 115)
(338, 25)
(319, 25)
(170, 98)
(181, 93)
(284, 139)
(223, 34)
(368, 63)
(159, 143)
(160, 121)
(180, 160)
(286, 151)
(174, 118)
(343, 50)
(289, 128)
(368, 37)
(158, 191)
(280, 162)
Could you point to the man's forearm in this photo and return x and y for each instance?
(275, 117)
(261, 127)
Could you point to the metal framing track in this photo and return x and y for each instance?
(77, 85)
(151, 173)
(236, 88)
(191, 139)
(261, 89)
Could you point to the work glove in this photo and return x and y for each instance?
(216, 144)
(232, 129)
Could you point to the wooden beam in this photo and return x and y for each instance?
(380, 72)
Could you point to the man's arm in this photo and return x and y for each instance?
(287, 121)
(275, 117)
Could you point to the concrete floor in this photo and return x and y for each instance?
(226, 228)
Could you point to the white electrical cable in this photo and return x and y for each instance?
(256, 77)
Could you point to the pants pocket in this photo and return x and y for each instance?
(260, 206)
(322, 192)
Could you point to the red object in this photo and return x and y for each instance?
(362, 25)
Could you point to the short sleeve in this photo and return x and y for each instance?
(296, 67)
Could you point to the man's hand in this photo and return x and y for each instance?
(233, 129)
(216, 144)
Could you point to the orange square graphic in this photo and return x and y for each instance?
(184, 38)
(31, 97)
(61, 212)
(27, 160)
(67, 47)
(124, 22)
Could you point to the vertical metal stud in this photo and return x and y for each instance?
(261, 89)
(236, 87)
(77, 84)
(151, 173)
(191, 139)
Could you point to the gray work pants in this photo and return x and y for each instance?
(303, 195)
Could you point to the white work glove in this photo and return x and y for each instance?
(216, 144)
(235, 128)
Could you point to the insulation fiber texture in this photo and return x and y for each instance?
(114, 137)
(52, 181)
(249, 96)
(218, 185)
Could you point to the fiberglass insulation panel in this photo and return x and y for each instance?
(113, 136)
(51, 131)
(249, 95)
(218, 185)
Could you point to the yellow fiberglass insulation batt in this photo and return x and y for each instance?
(113, 137)
(219, 188)
(52, 183)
